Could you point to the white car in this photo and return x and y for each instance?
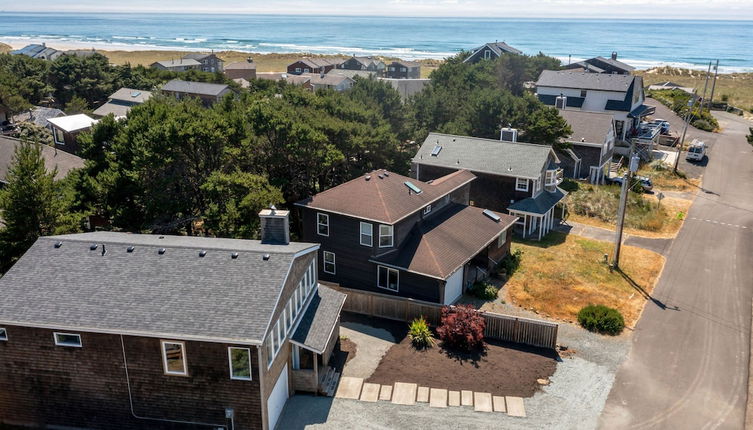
(696, 151)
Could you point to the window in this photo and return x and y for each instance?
(290, 314)
(427, 210)
(305, 70)
(583, 93)
(537, 185)
(387, 278)
(367, 234)
(174, 357)
(67, 339)
(59, 136)
(403, 69)
(329, 262)
(240, 363)
(521, 184)
(502, 239)
(391, 69)
(385, 236)
(322, 224)
(298, 70)
(487, 54)
(3, 334)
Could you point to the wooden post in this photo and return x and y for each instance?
(316, 371)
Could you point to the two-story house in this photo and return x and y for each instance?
(241, 70)
(368, 64)
(312, 65)
(126, 331)
(179, 65)
(491, 51)
(209, 61)
(602, 65)
(403, 70)
(121, 102)
(520, 178)
(620, 95)
(207, 92)
(591, 145)
(391, 234)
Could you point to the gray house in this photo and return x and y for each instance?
(53, 159)
(207, 92)
(121, 102)
(491, 51)
(602, 65)
(520, 178)
(40, 51)
(179, 65)
(369, 64)
(209, 61)
(592, 145)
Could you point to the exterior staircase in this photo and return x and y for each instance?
(328, 381)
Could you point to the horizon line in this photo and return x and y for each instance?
(355, 15)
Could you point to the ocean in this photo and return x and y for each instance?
(641, 43)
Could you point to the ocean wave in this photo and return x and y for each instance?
(650, 64)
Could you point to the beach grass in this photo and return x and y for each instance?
(4, 49)
(737, 87)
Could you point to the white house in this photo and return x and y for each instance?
(620, 95)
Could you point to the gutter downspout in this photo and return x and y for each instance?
(130, 399)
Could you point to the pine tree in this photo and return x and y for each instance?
(32, 204)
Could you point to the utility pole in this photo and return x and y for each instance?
(685, 129)
(623, 206)
(713, 84)
(706, 84)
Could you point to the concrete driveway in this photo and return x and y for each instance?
(688, 365)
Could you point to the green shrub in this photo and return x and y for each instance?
(483, 290)
(420, 333)
(511, 262)
(750, 136)
(703, 124)
(725, 98)
(569, 185)
(601, 319)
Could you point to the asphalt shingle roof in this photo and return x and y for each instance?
(177, 63)
(64, 161)
(188, 87)
(177, 294)
(588, 127)
(585, 80)
(383, 197)
(539, 204)
(447, 240)
(131, 95)
(39, 115)
(525, 160)
(317, 323)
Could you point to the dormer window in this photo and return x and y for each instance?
(385, 236)
(521, 184)
(553, 177)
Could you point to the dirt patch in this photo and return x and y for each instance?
(348, 347)
(502, 369)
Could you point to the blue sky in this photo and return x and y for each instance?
(647, 9)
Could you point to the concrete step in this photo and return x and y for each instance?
(482, 402)
(422, 395)
(466, 398)
(350, 388)
(499, 404)
(404, 393)
(453, 398)
(438, 398)
(385, 393)
(515, 407)
(370, 392)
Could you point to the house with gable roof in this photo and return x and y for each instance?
(491, 51)
(391, 234)
(591, 145)
(122, 331)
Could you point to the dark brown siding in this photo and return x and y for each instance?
(43, 384)
(486, 191)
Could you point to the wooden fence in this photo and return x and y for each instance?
(502, 327)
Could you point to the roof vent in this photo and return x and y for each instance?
(386, 173)
(380, 176)
(93, 247)
(265, 257)
(130, 249)
(494, 217)
(234, 255)
(104, 250)
(202, 253)
(368, 177)
(161, 251)
(161, 237)
(58, 244)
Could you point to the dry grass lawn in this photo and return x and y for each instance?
(562, 274)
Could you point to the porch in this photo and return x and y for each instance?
(537, 214)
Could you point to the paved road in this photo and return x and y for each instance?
(688, 365)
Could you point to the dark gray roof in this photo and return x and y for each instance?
(168, 64)
(586, 66)
(131, 95)
(539, 204)
(317, 323)
(39, 115)
(525, 160)
(177, 294)
(64, 161)
(615, 63)
(407, 87)
(502, 47)
(188, 87)
(585, 80)
(588, 127)
(198, 56)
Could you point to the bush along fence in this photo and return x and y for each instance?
(501, 327)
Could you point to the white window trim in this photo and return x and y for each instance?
(164, 357)
(361, 234)
(427, 210)
(388, 279)
(517, 184)
(298, 70)
(334, 262)
(319, 223)
(4, 337)
(70, 345)
(55, 132)
(391, 236)
(230, 364)
(487, 54)
(502, 239)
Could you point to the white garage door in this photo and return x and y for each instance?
(277, 399)
(454, 287)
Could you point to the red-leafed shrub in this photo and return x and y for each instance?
(462, 328)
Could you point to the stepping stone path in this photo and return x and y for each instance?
(402, 393)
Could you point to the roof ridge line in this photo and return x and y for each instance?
(542, 145)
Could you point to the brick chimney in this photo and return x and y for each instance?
(275, 226)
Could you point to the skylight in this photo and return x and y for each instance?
(411, 186)
(435, 151)
(491, 215)
(135, 94)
